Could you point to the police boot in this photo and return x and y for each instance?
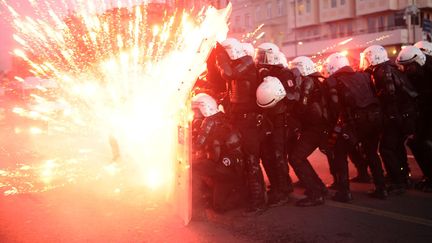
(310, 201)
(379, 193)
(396, 189)
(334, 185)
(279, 196)
(424, 185)
(362, 177)
(342, 197)
(255, 182)
(343, 194)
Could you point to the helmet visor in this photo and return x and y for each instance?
(261, 57)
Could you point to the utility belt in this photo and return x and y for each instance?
(370, 113)
(252, 116)
(405, 115)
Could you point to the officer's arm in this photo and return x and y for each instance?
(386, 90)
(243, 66)
(214, 80)
(223, 63)
(308, 85)
(334, 106)
(204, 132)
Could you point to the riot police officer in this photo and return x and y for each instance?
(270, 62)
(309, 109)
(419, 71)
(270, 92)
(238, 72)
(397, 99)
(354, 155)
(426, 48)
(355, 114)
(218, 160)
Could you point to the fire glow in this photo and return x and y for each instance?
(118, 74)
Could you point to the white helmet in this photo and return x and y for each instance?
(411, 54)
(425, 47)
(249, 49)
(304, 64)
(283, 60)
(205, 103)
(234, 48)
(270, 92)
(335, 62)
(372, 56)
(268, 53)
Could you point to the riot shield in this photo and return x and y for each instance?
(183, 166)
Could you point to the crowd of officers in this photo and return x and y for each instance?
(252, 107)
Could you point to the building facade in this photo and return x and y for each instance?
(319, 27)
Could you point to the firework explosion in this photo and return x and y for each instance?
(119, 73)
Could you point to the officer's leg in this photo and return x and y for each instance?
(403, 156)
(341, 150)
(357, 158)
(305, 145)
(391, 141)
(421, 147)
(253, 173)
(203, 171)
(267, 159)
(283, 179)
(370, 146)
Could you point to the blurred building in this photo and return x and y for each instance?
(198, 4)
(317, 27)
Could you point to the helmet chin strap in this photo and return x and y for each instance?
(409, 60)
(266, 104)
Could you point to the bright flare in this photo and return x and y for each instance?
(120, 73)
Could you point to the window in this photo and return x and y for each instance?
(279, 7)
(237, 21)
(269, 10)
(342, 30)
(333, 3)
(247, 20)
(371, 25)
(258, 13)
(308, 6)
(326, 4)
(300, 7)
(333, 30)
(350, 28)
(399, 18)
(391, 21)
(381, 23)
(342, 2)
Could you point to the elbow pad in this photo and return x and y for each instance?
(334, 96)
(243, 66)
(223, 63)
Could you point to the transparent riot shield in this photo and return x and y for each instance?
(183, 165)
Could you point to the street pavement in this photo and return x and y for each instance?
(93, 207)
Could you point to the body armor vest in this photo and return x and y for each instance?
(356, 90)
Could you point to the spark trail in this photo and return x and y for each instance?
(122, 72)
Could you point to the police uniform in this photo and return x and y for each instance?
(397, 99)
(354, 106)
(241, 81)
(218, 162)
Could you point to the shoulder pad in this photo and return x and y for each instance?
(331, 81)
